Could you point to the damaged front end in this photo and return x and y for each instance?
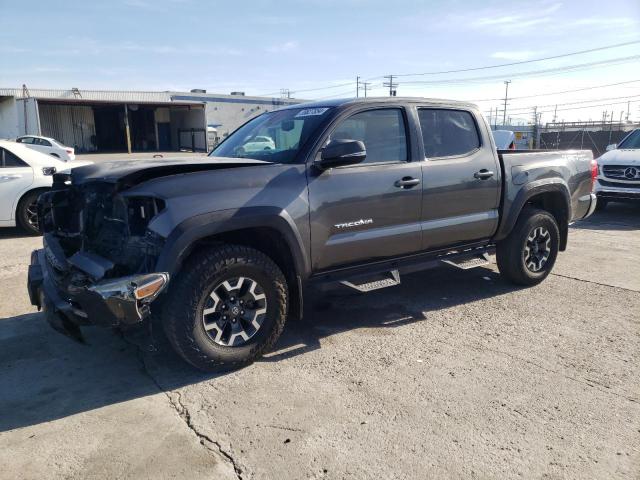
(97, 264)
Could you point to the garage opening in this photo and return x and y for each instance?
(102, 127)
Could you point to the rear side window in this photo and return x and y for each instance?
(10, 160)
(448, 133)
(382, 132)
(42, 142)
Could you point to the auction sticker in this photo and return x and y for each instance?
(310, 112)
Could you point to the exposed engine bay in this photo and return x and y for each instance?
(95, 219)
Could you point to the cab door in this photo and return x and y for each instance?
(15, 178)
(461, 179)
(370, 210)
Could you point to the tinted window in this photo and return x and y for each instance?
(26, 140)
(381, 131)
(10, 160)
(448, 132)
(42, 142)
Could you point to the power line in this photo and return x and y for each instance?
(532, 73)
(329, 87)
(522, 62)
(519, 109)
(583, 107)
(555, 93)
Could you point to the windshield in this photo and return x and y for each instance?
(632, 141)
(273, 137)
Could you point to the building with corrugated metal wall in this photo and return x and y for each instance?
(120, 121)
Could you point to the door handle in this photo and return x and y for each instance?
(483, 174)
(407, 182)
(10, 177)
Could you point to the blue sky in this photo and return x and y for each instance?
(264, 45)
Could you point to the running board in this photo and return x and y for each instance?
(465, 263)
(392, 279)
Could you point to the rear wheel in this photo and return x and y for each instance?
(528, 254)
(27, 213)
(226, 308)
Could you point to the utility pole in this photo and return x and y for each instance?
(555, 114)
(490, 115)
(534, 134)
(366, 86)
(285, 93)
(628, 110)
(357, 86)
(392, 86)
(506, 97)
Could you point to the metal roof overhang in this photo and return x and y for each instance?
(82, 101)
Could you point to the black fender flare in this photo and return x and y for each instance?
(183, 237)
(513, 208)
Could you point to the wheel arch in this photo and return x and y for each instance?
(271, 233)
(552, 197)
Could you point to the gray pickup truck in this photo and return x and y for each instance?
(348, 193)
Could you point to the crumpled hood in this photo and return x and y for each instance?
(132, 172)
(620, 157)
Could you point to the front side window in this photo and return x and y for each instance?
(382, 132)
(273, 137)
(632, 141)
(28, 140)
(447, 133)
(8, 159)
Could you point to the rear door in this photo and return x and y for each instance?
(371, 210)
(461, 178)
(15, 178)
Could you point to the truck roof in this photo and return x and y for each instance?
(337, 102)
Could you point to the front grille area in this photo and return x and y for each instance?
(622, 172)
(634, 186)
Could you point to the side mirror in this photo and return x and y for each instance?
(613, 146)
(342, 152)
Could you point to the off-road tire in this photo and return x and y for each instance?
(510, 253)
(23, 214)
(182, 308)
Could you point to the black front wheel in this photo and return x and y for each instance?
(27, 213)
(528, 254)
(227, 307)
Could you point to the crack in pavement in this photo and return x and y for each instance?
(183, 413)
(594, 283)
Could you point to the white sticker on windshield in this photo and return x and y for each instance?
(310, 112)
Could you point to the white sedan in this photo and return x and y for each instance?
(24, 175)
(259, 143)
(47, 145)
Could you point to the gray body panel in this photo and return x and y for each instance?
(449, 207)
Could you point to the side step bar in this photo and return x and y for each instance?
(465, 263)
(391, 280)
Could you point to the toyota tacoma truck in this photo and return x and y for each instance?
(355, 193)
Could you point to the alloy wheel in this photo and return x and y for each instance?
(537, 249)
(234, 311)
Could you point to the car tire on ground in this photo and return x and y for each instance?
(601, 204)
(528, 254)
(27, 213)
(226, 307)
